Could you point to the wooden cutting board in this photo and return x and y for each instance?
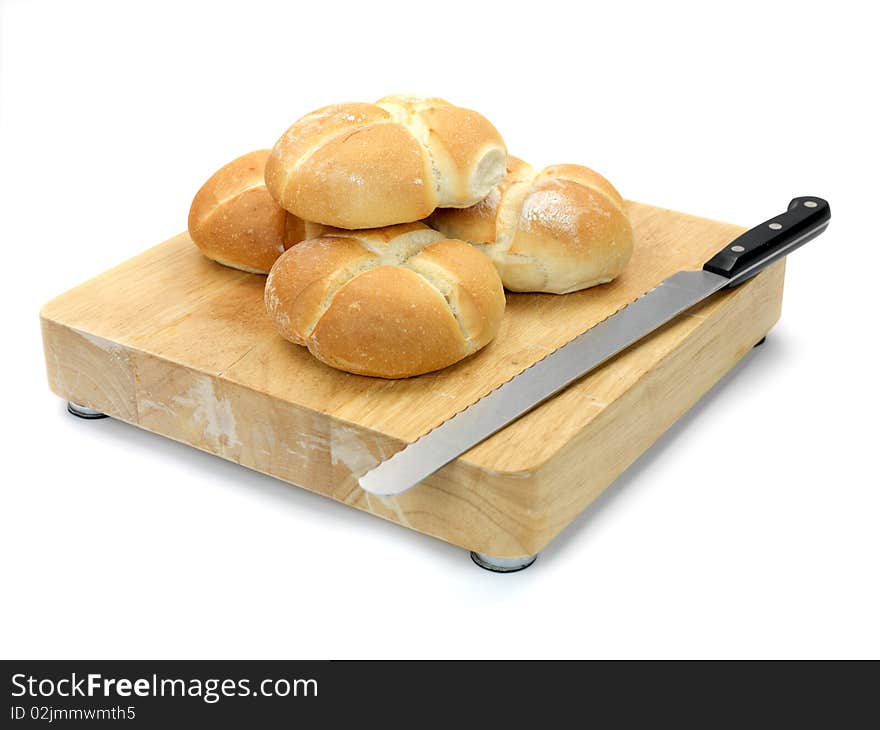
(181, 346)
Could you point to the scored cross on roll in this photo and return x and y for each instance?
(390, 302)
(559, 230)
(358, 165)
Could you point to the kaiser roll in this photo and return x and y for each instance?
(361, 165)
(234, 221)
(556, 231)
(390, 302)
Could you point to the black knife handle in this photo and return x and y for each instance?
(759, 247)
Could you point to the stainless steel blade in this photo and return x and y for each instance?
(533, 386)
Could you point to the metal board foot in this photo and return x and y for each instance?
(84, 412)
(503, 565)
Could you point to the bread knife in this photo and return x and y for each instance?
(737, 262)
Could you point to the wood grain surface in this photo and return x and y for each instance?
(181, 346)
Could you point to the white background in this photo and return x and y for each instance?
(749, 530)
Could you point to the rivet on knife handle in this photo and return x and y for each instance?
(739, 260)
(759, 247)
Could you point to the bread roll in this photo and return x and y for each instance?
(556, 231)
(368, 165)
(391, 302)
(234, 221)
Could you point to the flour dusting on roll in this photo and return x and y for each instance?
(357, 165)
(557, 231)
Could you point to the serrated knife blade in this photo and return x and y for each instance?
(805, 218)
(539, 382)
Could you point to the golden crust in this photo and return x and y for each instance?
(303, 277)
(463, 133)
(391, 302)
(366, 330)
(474, 290)
(373, 176)
(234, 221)
(558, 231)
(476, 223)
(295, 230)
(460, 141)
(370, 165)
(584, 176)
(579, 234)
(304, 135)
